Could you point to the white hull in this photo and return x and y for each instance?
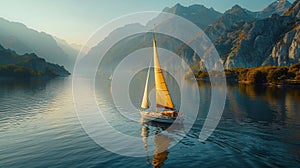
(158, 117)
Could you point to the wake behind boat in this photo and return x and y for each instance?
(163, 98)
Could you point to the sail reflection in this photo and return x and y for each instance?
(161, 153)
(161, 141)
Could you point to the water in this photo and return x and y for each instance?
(260, 126)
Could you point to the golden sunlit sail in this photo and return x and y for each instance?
(163, 98)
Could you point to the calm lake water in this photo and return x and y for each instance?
(260, 127)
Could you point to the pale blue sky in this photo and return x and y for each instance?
(76, 20)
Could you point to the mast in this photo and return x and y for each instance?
(163, 98)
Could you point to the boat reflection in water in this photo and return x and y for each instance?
(161, 141)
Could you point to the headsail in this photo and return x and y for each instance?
(145, 103)
(163, 98)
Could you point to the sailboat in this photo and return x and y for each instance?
(163, 97)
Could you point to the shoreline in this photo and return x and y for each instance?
(291, 83)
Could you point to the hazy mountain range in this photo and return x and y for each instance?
(242, 37)
(18, 37)
(199, 14)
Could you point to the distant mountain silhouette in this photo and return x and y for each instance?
(67, 48)
(198, 14)
(22, 39)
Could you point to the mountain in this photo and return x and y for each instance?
(277, 7)
(294, 11)
(251, 45)
(76, 46)
(198, 14)
(231, 20)
(241, 37)
(22, 39)
(237, 16)
(67, 48)
(27, 65)
(128, 45)
(270, 41)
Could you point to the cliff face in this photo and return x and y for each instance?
(270, 41)
(251, 45)
(237, 16)
(287, 50)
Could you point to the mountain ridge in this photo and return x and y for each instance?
(237, 16)
(279, 7)
(242, 33)
(19, 37)
(198, 14)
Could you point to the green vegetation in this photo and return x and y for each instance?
(13, 70)
(260, 75)
(27, 65)
(18, 71)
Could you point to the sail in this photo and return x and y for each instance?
(145, 102)
(163, 98)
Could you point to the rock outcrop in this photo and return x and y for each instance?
(251, 45)
(287, 50)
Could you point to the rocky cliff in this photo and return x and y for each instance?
(237, 16)
(270, 41)
(287, 50)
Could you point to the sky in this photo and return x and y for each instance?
(76, 20)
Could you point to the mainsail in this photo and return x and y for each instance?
(145, 102)
(163, 98)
